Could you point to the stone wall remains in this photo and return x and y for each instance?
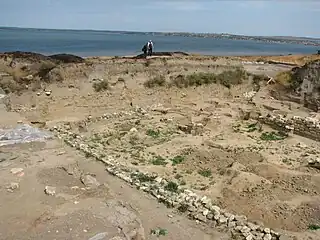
(306, 127)
(199, 208)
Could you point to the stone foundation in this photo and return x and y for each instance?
(305, 127)
(199, 208)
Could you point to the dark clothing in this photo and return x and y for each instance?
(145, 50)
(150, 51)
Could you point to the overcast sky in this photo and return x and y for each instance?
(251, 17)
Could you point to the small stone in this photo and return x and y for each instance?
(210, 216)
(252, 226)
(200, 217)
(192, 209)
(267, 230)
(50, 190)
(16, 170)
(267, 237)
(205, 212)
(48, 93)
(249, 237)
(222, 219)
(158, 180)
(245, 229)
(231, 225)
(133, 130)
(89, 181)
(13, 186)
(99, 236)
(231, 218)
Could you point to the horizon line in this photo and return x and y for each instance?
(135, 31)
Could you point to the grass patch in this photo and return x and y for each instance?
(153, 133)
(232, 77)
(205, 173)
(143, 178)
(272, 136)
(177, 160)
(100, 86)
(159, 161)
(226, 78)
(158, 81)
(171, 186)
(285, 79)
(159, 232)
(314, 227)
(254, 127)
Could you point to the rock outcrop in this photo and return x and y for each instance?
(306, 82)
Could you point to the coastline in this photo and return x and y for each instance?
(308, 41)
(293, 60)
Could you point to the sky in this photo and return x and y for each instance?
(250, 17)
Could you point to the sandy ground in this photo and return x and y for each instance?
(266, 181)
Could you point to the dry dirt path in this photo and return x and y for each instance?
(77, 210)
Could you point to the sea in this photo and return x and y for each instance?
(87, 43)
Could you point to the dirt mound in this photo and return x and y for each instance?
(163, 54)
(67, 58)
(28, 70)
(29, 56)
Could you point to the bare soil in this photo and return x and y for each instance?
(225, 159)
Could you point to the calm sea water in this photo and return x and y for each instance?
(99, 43)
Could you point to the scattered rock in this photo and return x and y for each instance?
(50, 190)
(198, 207)
(314, 163)
(89, 181)
(99, 236)
(16, 170)
(117, 238)
(267, 237)
(13, 186)
(48, 92)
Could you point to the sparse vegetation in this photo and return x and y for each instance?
(177, 160)
(153, 133)
(159, 232)
(314, 227)
(226, 78)
(254, 127)
(272, 136)
(159, 161)
(101, 85)
(284, 79)
(172, 187)
(143, 178)
(205, 172)
(158, 81)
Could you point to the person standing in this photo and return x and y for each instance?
(150, 48)
(145, 50)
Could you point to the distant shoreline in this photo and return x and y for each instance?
(268, 39)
